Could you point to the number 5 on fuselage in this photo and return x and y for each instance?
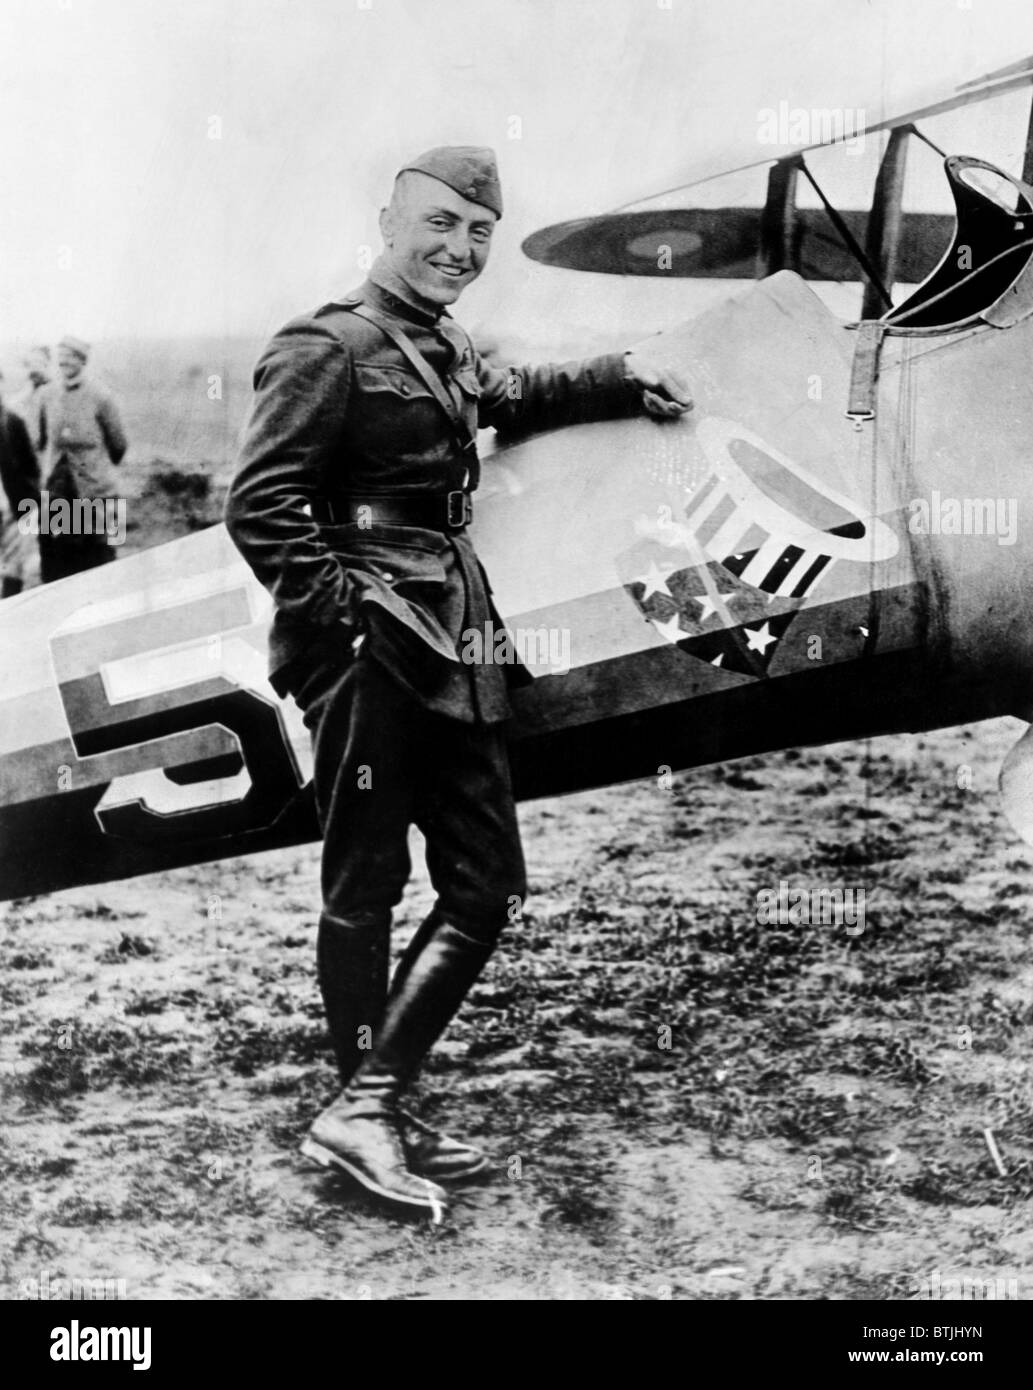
(172, 696)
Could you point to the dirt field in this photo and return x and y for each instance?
(814, 1130)
(682, 1101)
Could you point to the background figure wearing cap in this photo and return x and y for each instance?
(350, 503)
(80, 436)
(19, 482)
(26, 401)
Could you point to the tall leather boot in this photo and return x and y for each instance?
(420, 937)
(428, 1152)
(352, 965)
(360, 1132)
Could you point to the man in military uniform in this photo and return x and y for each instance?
(19, 484)
(81, 436)
(351, 504)
(26, 402)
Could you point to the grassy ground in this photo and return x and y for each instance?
(681, 1102)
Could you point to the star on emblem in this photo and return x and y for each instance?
(671, 629)
(759, 640)
(654, 581)
(707, 607)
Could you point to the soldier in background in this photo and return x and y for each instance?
(81, 436)
(26, 401)
(19, 482)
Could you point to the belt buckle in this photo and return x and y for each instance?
(458, 510)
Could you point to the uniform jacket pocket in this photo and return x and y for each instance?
(380, 379)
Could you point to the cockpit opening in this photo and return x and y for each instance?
(991, 246)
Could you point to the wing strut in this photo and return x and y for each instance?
(848, 238)
(779, 240)
(882, 241)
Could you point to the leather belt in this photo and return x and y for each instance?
(435, 511)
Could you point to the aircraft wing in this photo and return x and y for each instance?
(1016, 75)
(884, 246)
(722, 243)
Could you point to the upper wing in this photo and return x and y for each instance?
(754, 233)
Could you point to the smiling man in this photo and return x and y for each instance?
(351, 503)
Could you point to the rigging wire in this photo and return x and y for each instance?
(849, 240)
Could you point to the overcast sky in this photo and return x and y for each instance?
(213, 166)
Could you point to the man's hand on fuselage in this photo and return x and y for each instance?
(665, 392)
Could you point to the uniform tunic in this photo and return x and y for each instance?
(81, 421)
(27, 402)
(403, 733)
(19, 483)
(339, 411)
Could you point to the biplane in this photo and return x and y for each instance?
(832, 546)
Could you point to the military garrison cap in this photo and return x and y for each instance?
(469, 169)
(76, 345)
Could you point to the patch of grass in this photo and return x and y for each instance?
(84, 1057)
(866, 1054)
(861, 1197)
(972, 1184)
(18, 1166)
(29, 960)
(247, 1047)
(860, 851)
(571, 1185)
(129, 947)
(775, 1194)
(15, 996)
(180, 495)
(144, 1005)
(82, 1210)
